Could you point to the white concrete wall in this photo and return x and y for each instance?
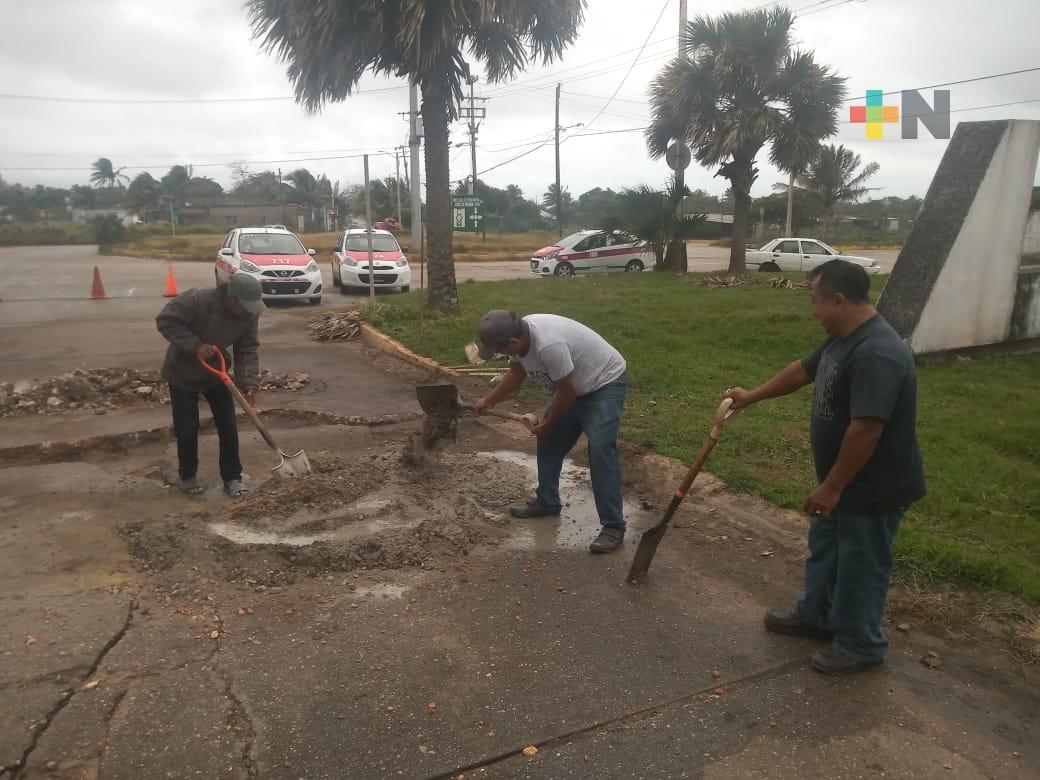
(1031, 316)
(972, 300)
(1031, 244)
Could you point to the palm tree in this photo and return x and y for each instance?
(832, 180)
(329, 44)
(143, 194)
(653, 216)
(105, 173)
(549, 203)
(741, 87)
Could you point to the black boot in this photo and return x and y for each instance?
(533, 508)
(793, 624)
(609, 539)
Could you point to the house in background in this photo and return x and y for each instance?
(232, 215)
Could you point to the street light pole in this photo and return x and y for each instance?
(368, 232)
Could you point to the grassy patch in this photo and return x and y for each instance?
(979, 419)
(45, 233)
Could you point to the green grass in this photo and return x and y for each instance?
(979, 419)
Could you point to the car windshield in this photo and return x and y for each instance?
(379, 244)
(270, 244)
(572, 239)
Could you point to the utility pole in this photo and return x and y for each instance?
(413, 144)
(682, 23)
(397, 181)
(474, 115)
(789, 227)
(559, 192)
(368, 233)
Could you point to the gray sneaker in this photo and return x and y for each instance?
(609, 539)
(533, 508)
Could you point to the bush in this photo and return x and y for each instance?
(41, 233)
(108, 230)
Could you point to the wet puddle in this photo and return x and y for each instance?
(577, 525)
(366, 517)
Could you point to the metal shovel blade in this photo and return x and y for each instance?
(440, 400)
(645, 552)
(292, 465)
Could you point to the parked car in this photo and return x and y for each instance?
(350, 261)
(389, 223)
(802, 254)
(276, 257)
(591, 250)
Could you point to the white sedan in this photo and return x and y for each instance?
(350, 261)
(589, 251)
(802, 254)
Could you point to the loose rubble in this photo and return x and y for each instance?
(104, 389)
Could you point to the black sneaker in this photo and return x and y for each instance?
(533, 508)
(609, 539)
(834, 661)
(792, 624)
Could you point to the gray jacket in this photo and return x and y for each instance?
(197, 317)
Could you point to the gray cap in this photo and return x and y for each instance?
(497, 327)
(248, 291)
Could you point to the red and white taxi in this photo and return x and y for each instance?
(275, 257)
(589, 251)
(350, 261)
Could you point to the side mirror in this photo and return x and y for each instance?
(311, 252)
(336, 249)
(227, 252)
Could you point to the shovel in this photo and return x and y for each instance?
(442, 400)
(288, 465)
(652, 537)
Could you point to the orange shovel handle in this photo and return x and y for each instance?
(221, 373)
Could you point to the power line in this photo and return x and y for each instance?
(954, 83)
(628, 73)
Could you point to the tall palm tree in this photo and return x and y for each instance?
(329, 44)
(106, 174)
(143, 194)
(741, 87)
(832, 179)
(549, 202)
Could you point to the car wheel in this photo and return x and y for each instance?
(405, 288)
(769, 267)
(336, 282)
(216, 276)
(314, 301)
(564, 269)
(633, 266)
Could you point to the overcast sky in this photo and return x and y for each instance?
(135, 50)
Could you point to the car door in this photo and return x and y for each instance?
(618, 251)
(814, 254)
(225, 257)
(787, 255)
(595, 249)
(337, 254)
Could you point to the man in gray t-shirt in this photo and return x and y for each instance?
(587, 379)
(864, 442)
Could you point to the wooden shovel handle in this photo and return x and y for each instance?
(225, 377)
(722, 418)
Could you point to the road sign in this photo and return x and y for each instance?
(678, 157)
(466, 214)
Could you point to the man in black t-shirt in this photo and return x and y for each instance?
(864, 443)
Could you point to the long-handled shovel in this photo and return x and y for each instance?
(652, 537)
(288, 465)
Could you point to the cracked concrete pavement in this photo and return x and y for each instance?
(117, 666)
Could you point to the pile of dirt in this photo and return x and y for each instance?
(104, 389)
(360, 514)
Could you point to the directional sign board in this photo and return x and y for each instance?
(466, 214)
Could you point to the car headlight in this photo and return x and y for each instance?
(402, 263)
(551, 256)
(249, 267)
(312, 266)
(350, 261)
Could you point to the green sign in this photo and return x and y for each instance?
(466, 214)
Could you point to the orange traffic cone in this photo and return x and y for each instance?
(171, 283)
(97, 289)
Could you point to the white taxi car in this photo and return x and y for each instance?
(350, 261)
(276, 257)
(802, 254)
(589, 251)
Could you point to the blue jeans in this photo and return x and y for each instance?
(597, 415)
(846, 579)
